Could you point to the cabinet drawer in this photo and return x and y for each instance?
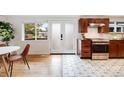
(86, 54)
(114, 41)
(86, 50)
(85, 45)
(86, 42)
(121, 41)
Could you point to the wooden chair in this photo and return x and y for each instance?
(17, 57)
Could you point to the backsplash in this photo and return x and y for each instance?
(93, 33)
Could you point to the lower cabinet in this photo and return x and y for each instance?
(121, 49)
(116, 48)
(113, 48)
(84, 49)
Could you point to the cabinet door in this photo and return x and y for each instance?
(121, 49)
(83, 25)
(98, 21)
(91, 20)
(113, 49)
(105, 21)
(86, 48)
(80, 26)
(103, 29)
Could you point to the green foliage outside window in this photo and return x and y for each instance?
(29, 31)
(36, 31)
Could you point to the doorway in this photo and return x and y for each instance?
(62, 37)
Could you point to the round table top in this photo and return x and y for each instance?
(8, 49)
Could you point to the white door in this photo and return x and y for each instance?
(62, 37)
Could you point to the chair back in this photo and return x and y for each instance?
(26, 50)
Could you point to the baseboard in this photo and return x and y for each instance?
(38, 55)
(62, 54)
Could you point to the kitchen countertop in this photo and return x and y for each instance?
(90, 38)
(101, 39)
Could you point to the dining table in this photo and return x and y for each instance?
(4, 51)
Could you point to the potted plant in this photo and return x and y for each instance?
(6, 32)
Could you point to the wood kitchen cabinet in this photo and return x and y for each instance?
(84, 49)
(95, 20)
(91, 20)
(104, 29)
(121, 48)
(83, 24)
(98, 21)
(116, 48)
(113, 48)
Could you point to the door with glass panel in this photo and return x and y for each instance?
(62, 37)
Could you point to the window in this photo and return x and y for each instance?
(29, 31)
(120, 23)
(36, 31)
(41, 31)
(111, 29)
(116, 27)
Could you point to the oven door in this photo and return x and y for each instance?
(100, 48)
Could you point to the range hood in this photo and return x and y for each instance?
(96, 24)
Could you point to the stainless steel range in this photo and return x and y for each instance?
(100, 49)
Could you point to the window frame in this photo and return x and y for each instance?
(36, 35)
(115, 25)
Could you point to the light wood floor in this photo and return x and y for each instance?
(41, 65)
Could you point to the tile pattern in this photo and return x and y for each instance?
(73, 66)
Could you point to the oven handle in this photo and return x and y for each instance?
(100, 44)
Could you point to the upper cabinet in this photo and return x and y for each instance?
(105, 28)
(83, 24)
(102, 23)
(116, 26)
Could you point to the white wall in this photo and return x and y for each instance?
(3, 18)
(39, 46)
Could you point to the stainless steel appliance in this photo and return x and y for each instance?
(100, 49)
